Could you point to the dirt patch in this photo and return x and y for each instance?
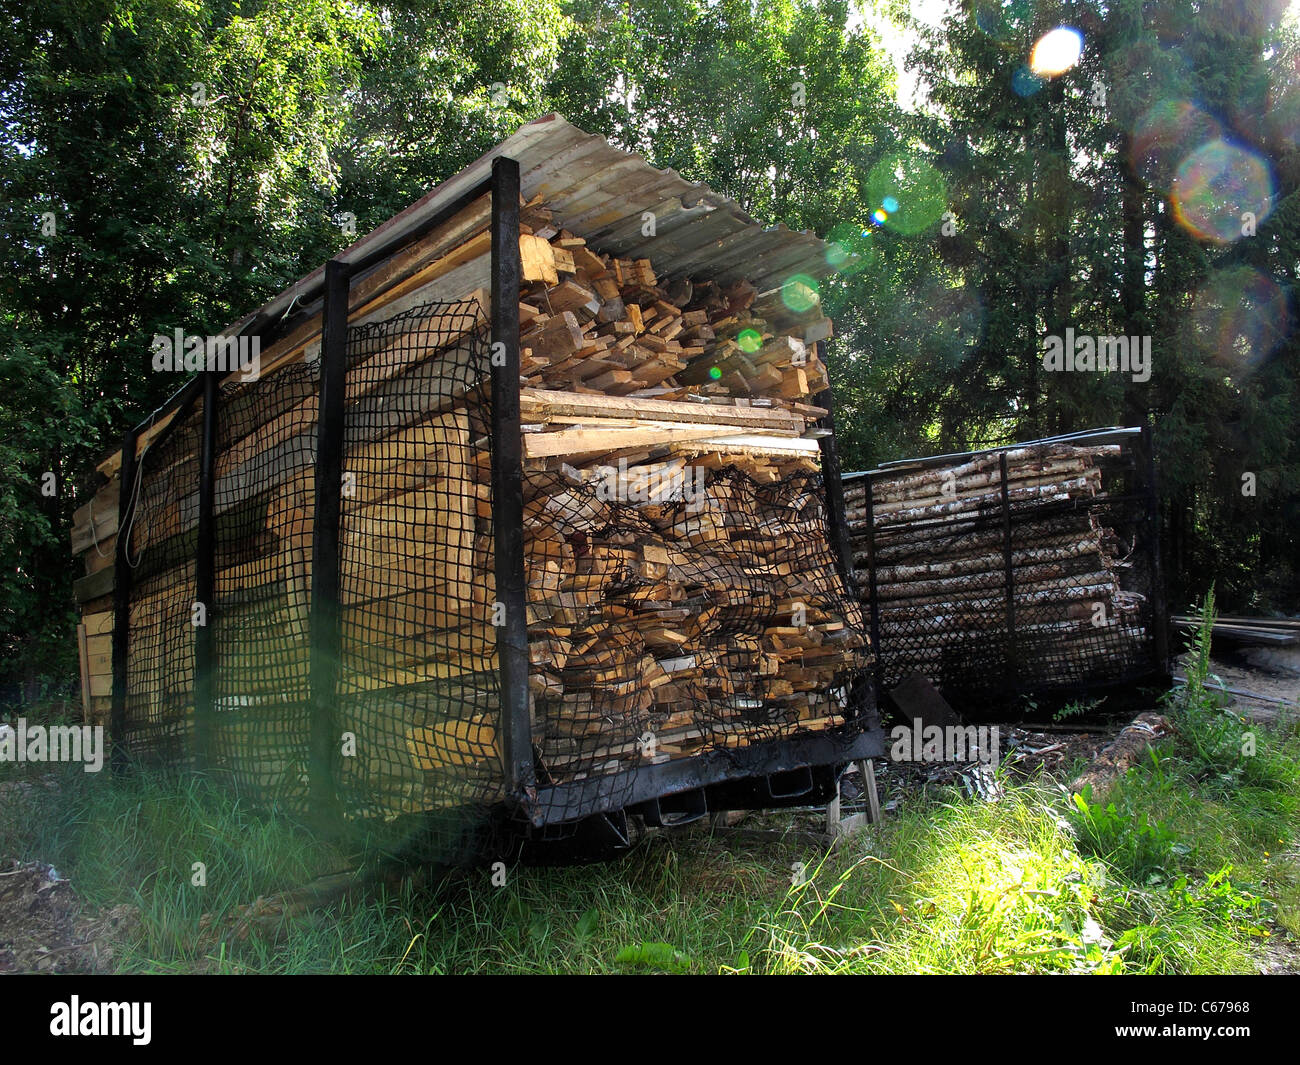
(43, 928)
(1279, 688)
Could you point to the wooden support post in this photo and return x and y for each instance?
(839, 827)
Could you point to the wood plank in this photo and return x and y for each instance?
(537, 405)
(569, 442)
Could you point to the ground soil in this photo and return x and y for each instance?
(45, 928)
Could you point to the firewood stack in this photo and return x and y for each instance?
(682, 592)
(940, 569)
(681, 589)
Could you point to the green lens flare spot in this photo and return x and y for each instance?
(851, 250)
(799, 293)
(715, 373)
(750, 340)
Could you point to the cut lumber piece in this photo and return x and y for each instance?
(453, 743)
(579, 441)
(539, 405)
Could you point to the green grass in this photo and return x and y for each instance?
(1187, 865)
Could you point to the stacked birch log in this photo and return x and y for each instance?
(940, 564)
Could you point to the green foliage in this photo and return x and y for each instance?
(955, 885)
(661, 956)
(1221, 748)
(1143, 851)
(196, 158)
(1077, 708)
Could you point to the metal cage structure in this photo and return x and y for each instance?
(1043, 583)
(261, 665)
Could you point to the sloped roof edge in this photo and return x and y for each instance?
(603, 194)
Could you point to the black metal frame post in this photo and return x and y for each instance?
(323, 619)
(1013, 672)
(836, 521)
(1159, 604)
(878, 671)
(122, 600)
(507, 486)
(205, 574)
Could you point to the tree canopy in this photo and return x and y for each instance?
(173, 163)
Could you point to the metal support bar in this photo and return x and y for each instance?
(446, 214)
(205, 574)
(836, 524)
(837, 530)
(1159, 604)
(122, 601)
(323, 622)
(1012, 670)
(878, 670)
(507, 485)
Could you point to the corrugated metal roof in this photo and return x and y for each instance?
(602, 193)
(1084, 436)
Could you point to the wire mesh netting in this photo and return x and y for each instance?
(265, 464)
(996, 584)
(160, 544)
(661, 626)
(658, 628)
(418, 684)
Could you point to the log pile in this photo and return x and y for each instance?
(681, 589)
(665, 597)
(940, 569)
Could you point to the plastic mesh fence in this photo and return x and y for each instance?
(1075, 610)
(159, 718)
(661, 626)
(657, 628)
(266, 459)
(419, 686)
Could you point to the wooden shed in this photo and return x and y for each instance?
(528, 504)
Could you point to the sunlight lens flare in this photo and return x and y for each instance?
(1056, 52)
(851, 249)
(1222, 192)
(1238, 318)
(799, 293)
(1166, 134)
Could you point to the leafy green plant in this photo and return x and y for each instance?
(1222, 749)
(1077, 708)
(1126, 840)
(663, 956)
